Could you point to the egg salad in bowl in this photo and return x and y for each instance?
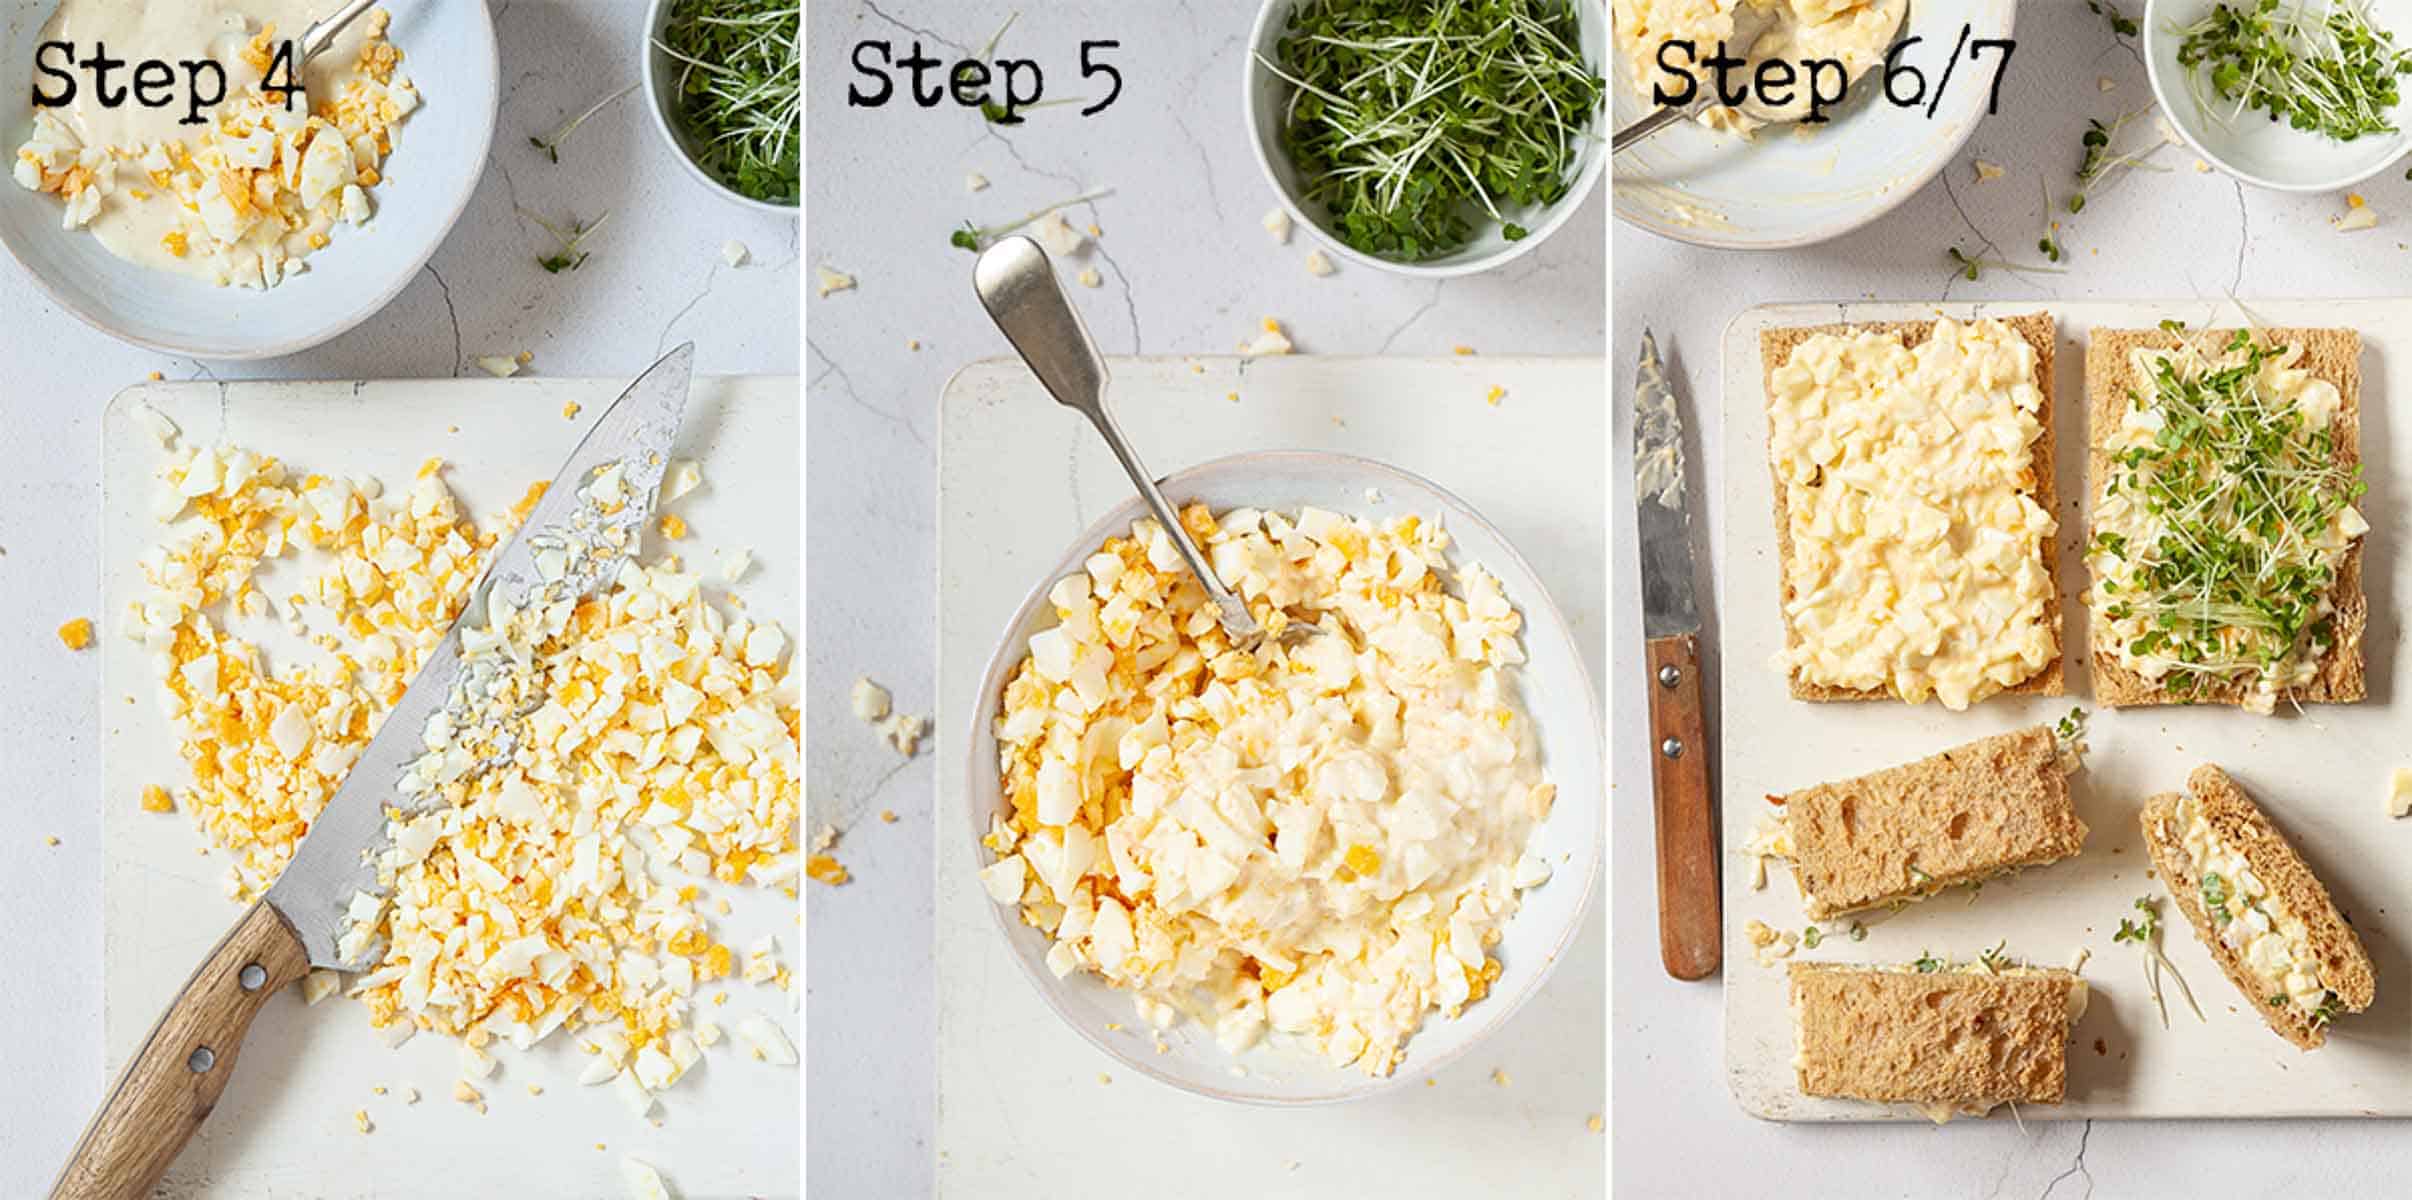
(1306, 857)
(254, 217)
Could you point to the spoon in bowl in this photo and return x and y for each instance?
(1018, 287)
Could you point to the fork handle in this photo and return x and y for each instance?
(1018, 287)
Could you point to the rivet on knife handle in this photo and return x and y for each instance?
(170, 1085)
(1690, 920)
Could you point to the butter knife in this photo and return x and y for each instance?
(1689, 909)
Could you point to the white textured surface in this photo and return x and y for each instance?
(1185, 269)
(2176, 234)
(656, 277)
(1527, 465)
(305, 1070)
(2190, 1067)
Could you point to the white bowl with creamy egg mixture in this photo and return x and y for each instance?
(438, 155)
(1782, 187)
(1552, 687)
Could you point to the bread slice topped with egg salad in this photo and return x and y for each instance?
(2257, 908)
(1971, 813)
(1914, 502)
(1952, 1039)
(2223, 543)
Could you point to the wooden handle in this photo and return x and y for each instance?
(174, 1080)
(1689, 916)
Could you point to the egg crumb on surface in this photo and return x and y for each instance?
(500, 366)
(1596, 1124)
(360, 1120)
(1499, 1076)
(1315, 839)
(673, 526)
(1493, 396)
(247, 195)
(534, 896)
(156, 799)
(76, 634)
(821, 868)
(570, 411)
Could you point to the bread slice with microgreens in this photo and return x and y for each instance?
(2111, 381)
(1965, 815)
(2213, 902)
(1946, 1038)
(1776, 347)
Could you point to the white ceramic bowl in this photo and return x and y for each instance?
(1264, 94)
(439, 153)
(2249, 145)
(661, 89)
(1556, 692)
(1778, 191)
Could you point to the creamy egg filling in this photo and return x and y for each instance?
(1321, 838)
(2228, 471)
(2254, 922)
(1854, 33)
(248, 195)
(1908, 478)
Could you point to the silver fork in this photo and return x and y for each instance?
(1018, 287)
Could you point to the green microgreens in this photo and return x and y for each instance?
(2099, 162)
(2049, 243)
(1995, 960)
(551, 143)
(976, 238)
(1412, 120)
(2326, 1010)
(740, 91)
(570, 255)
(2215, 896)
(1859, 932)
(2146, 934)
(2320, 67)
(1926, 964)
(1969, 266)
(2239, 502)
(2121, 24)
(1811, 936)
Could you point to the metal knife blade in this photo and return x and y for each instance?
(1662, 520)
(337, 860)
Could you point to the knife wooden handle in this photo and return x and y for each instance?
(173, 1081)
(1690, 938)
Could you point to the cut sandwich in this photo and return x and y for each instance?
(2259, 910)
(1914, 502)
(1966, 815)
(2223, 542)
(1949, 1040)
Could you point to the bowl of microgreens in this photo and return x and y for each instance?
(2296, 95)
(1429, 137)
(725, 83)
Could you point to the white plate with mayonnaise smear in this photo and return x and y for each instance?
(264, 228)
(1551, 686)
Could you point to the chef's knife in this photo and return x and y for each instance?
(173, 1081)
(1688, 905)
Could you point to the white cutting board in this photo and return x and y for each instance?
(284, 1126)
(1021, 1096)
(2321, 776)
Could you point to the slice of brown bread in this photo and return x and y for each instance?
(1775, 349)
(2333, 355)
(1968, 813)
(1970, 1038)
(2238, 822)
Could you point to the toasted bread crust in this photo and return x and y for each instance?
(1960, 816)
(1775, 349)
(2344, 965)
(2333, 355)
(1950, 1037)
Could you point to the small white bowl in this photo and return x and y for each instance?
(1557, 694)
(661, 91)
(2252, 147)
(439, 154)
(1263, 95)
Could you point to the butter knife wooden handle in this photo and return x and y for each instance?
(174, 1080)
(1690, 938)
